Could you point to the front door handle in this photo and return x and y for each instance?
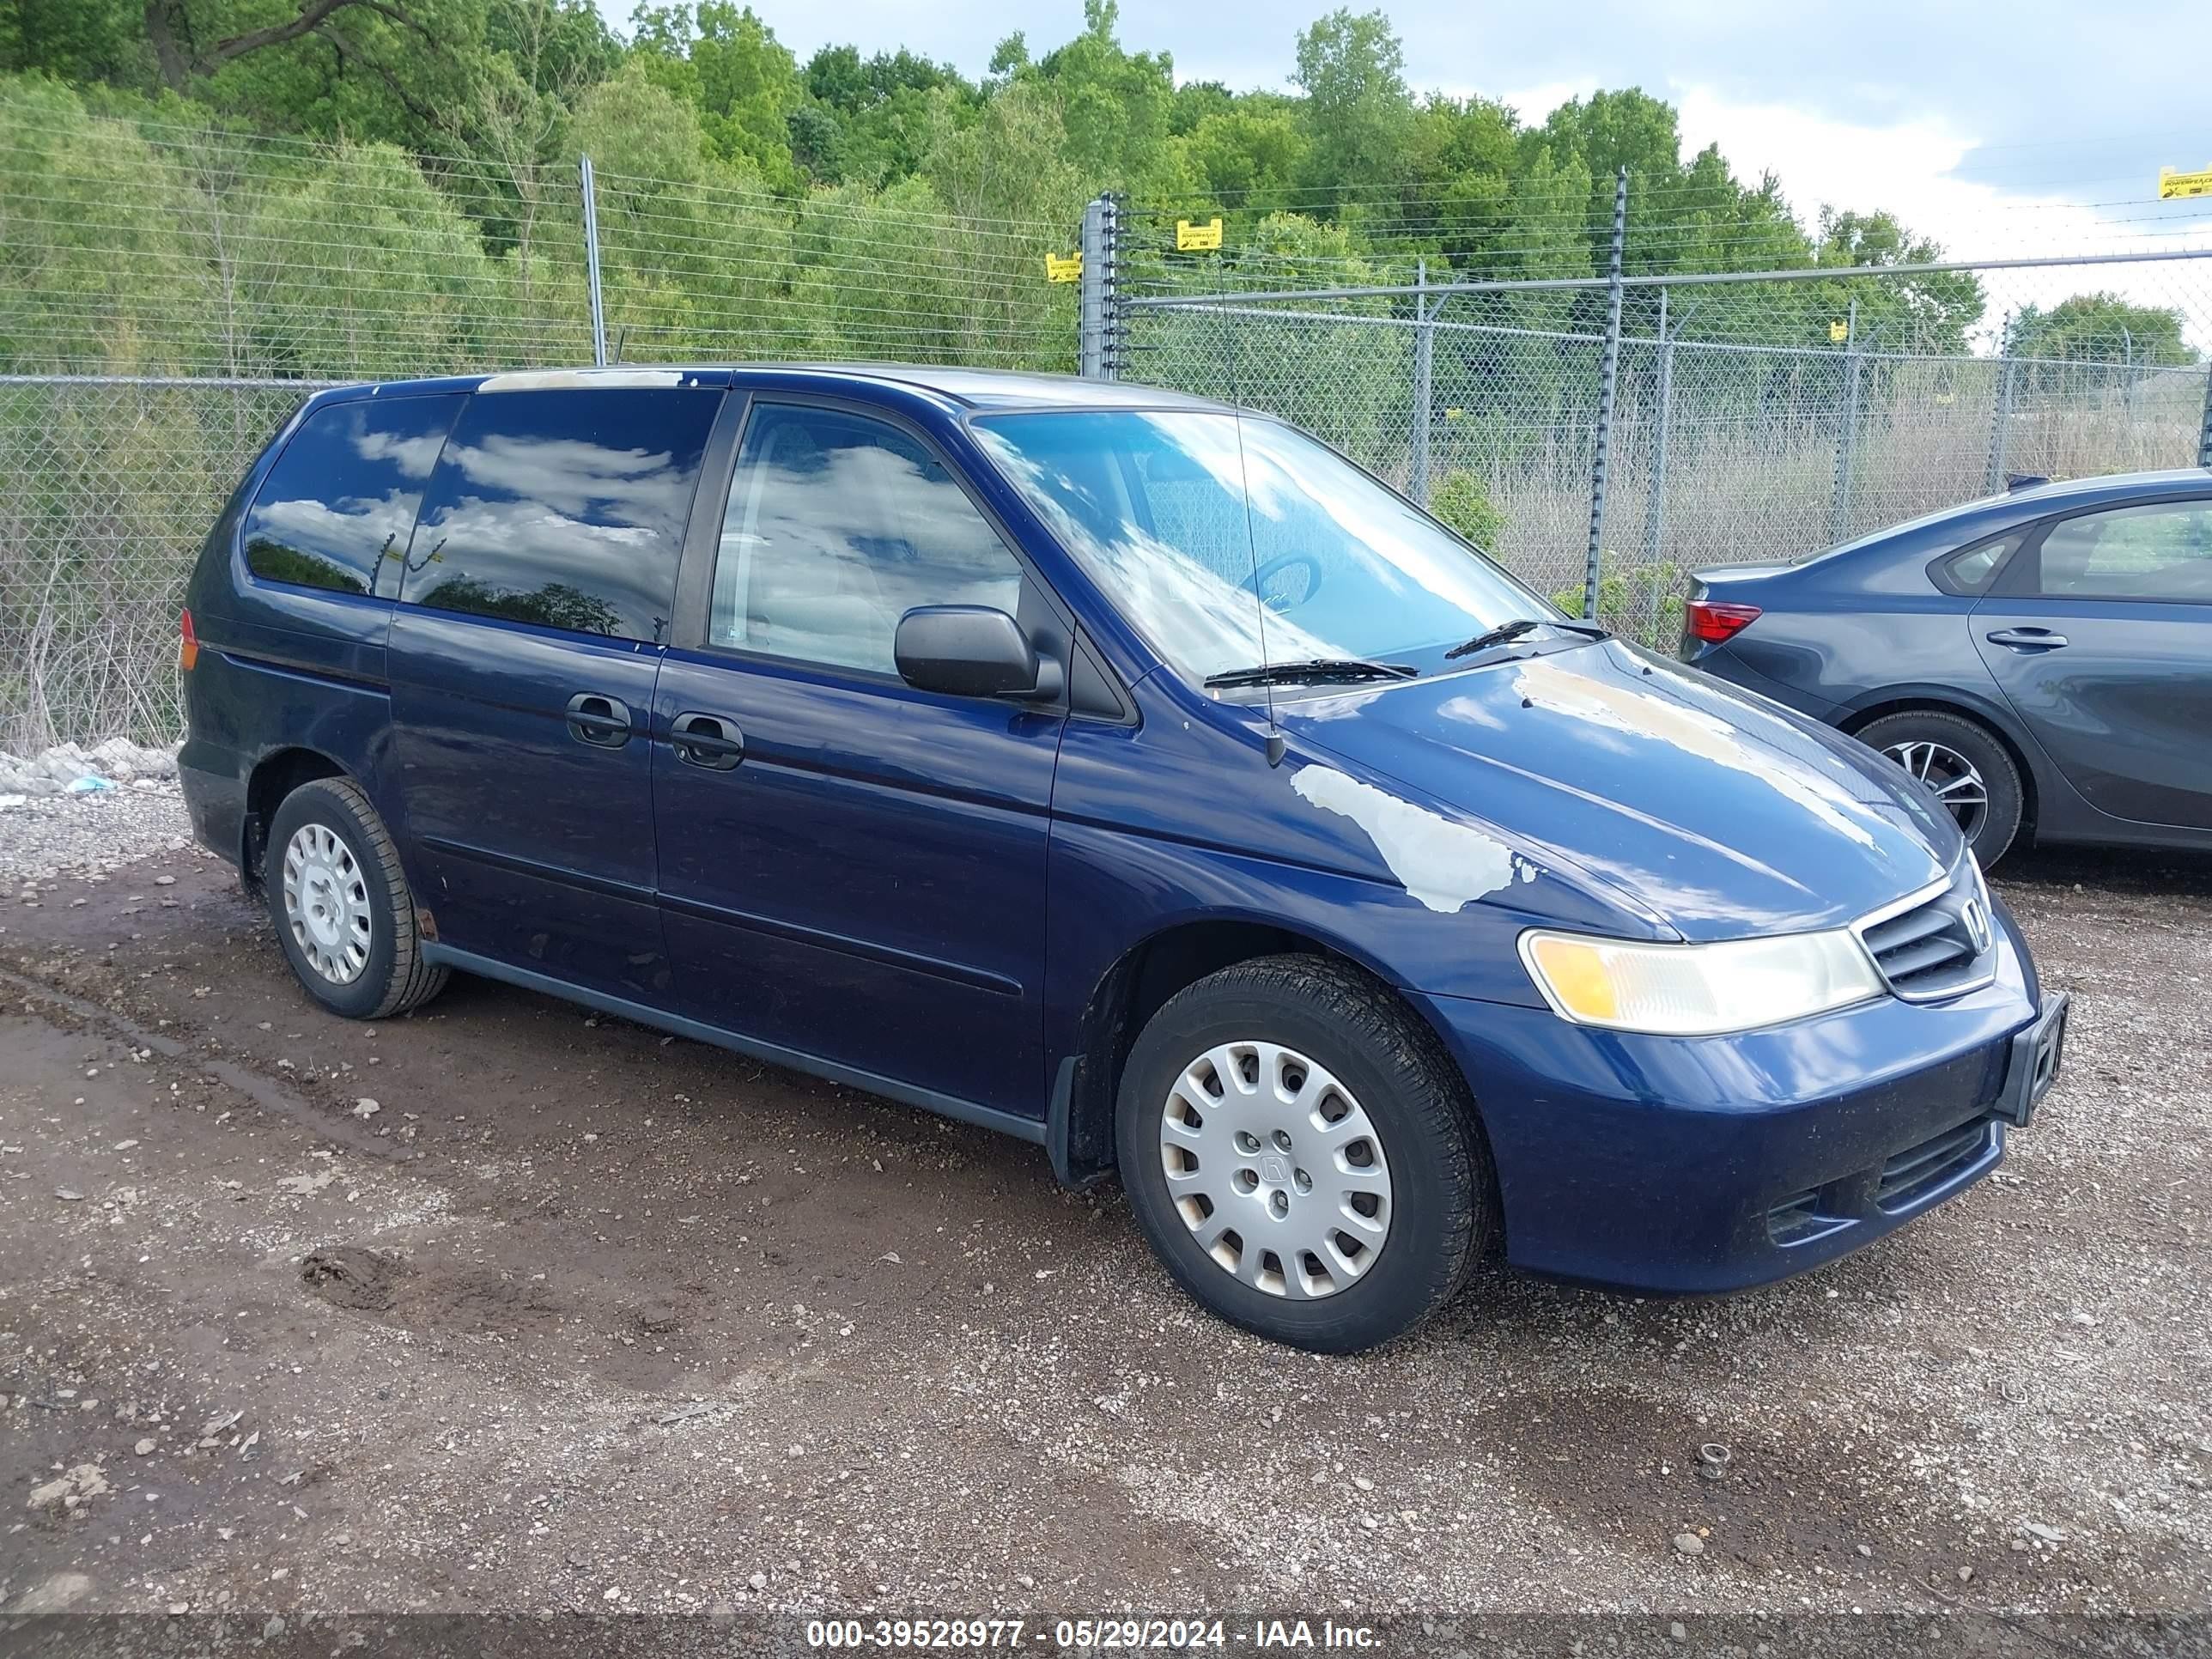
(604, 722)
(2028, 639)
(708, 740)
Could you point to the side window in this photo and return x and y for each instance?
(2158, 551)
(838, 526)
(342, 497)
(563, 507)
(1972, 571)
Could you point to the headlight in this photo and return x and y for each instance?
(1698, 990)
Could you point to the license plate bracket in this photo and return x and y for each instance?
(2036, 1055)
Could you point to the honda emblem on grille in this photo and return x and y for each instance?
(1978, 925)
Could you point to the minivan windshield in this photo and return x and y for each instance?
(1235, 542)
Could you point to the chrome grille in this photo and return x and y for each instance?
(1941, 943)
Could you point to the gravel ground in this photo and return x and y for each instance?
(506, 1307)
(42, 837)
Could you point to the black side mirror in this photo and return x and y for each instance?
(971, 651)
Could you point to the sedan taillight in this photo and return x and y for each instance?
(188, 643)
(1716, 623)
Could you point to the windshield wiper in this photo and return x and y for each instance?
(1313, 672)
(1520, 625)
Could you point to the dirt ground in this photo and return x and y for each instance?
(577, 1317)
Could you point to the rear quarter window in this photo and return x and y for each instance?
(1972, 571)
(563, 507)
(340, 501)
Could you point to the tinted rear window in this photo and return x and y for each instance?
(342, 497)
(563, 507)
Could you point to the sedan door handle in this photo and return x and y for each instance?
(708, 740)
(602, 721)
(2028, 639)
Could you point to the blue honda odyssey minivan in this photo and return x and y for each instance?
(1123, 771)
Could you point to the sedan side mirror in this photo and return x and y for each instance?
(971, 651)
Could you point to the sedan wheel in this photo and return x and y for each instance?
(1951, 777)
(1964, 765)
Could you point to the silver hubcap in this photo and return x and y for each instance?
(1952, 778)
(1276, 1170)
(326, 903)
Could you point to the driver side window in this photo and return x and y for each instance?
(837, 525)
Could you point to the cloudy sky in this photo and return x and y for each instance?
(1992, 126)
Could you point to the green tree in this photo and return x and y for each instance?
(1357, 111)
(1114, 105)
(1462, 160)
(1246, 157)
(744, 82)
(869, 120)
(1194, 100)
(2102, 328)
(1923, 311)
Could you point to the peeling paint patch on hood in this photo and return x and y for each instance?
(1445, 865)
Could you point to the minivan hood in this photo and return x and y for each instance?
(1719, 815)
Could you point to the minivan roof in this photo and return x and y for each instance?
(967, 388)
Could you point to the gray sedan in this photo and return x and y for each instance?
(2041, 660)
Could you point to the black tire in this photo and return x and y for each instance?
(1998, 826)
(393, 978)
(1440, 1203)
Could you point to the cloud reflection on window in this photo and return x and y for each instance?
(341, 497)
(564, 509)
(837, 526)
(1187, 519)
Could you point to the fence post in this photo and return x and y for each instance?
(1840, 500)
(592, 262)
(2000, 412)
(1098, 319)
(1608, 374)
(2204, 438)
(1654, 515)
(1423, 379)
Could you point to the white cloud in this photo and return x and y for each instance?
(1912, 168)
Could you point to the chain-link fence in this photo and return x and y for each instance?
(1754, 416)
(107, 487)
(169, 293)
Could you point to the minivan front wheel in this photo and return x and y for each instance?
(1302, 1154)
(340, 902)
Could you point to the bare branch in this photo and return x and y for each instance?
(238, 45)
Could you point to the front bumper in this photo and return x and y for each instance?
(1687, 1165)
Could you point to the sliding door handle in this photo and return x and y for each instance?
(708, 740)
(602, 721)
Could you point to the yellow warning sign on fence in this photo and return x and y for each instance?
(1064, 268)
(2172, 185)
(1197, 239)
(1839, 332)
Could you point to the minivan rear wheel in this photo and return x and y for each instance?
(1302, 1154)
(341, 905)
(1964, 766)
